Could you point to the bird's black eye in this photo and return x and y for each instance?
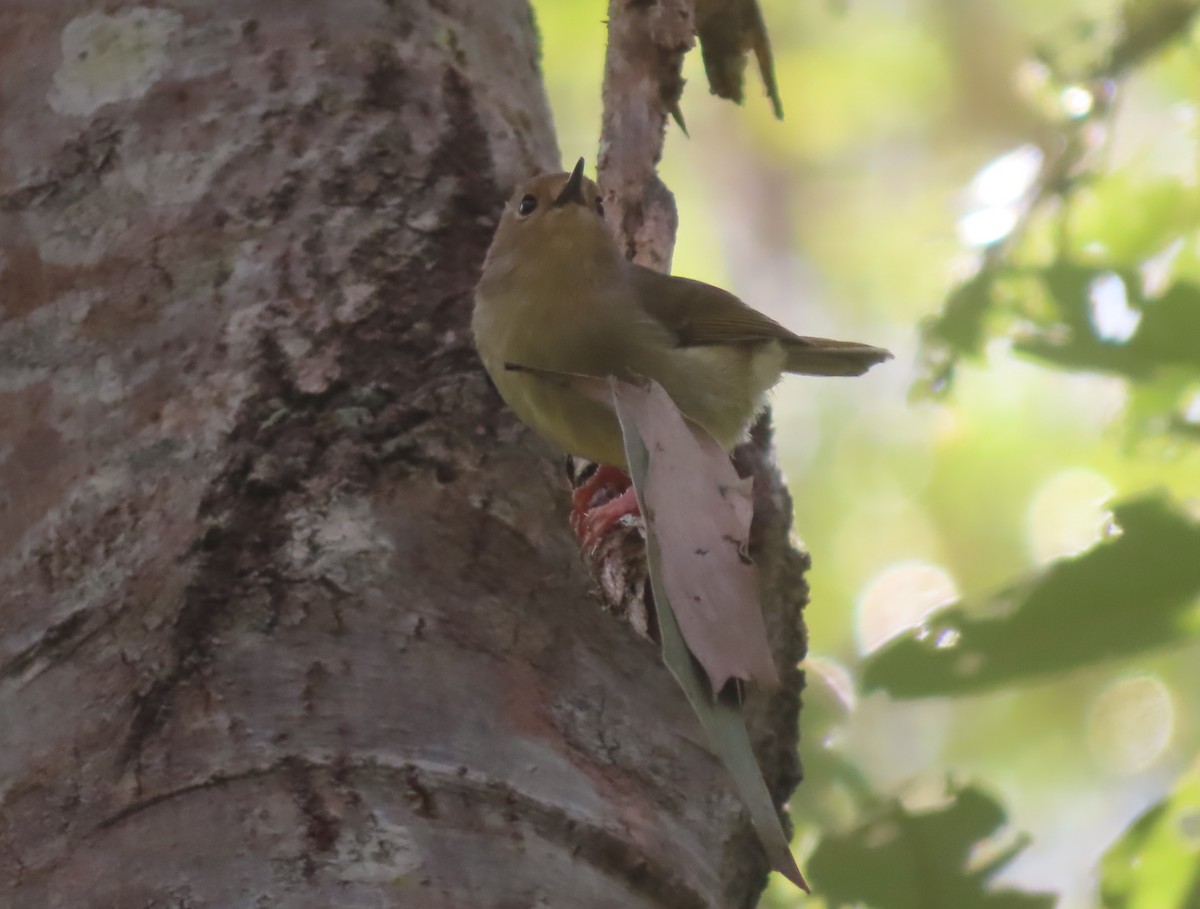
(599, 207)
(528, 204)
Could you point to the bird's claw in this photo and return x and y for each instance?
(590, 526)
(600, 502)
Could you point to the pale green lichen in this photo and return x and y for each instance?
(111, 58)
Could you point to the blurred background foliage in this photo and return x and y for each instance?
(1003, 703)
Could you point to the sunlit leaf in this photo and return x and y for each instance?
(1130, 219)
(960, 324)
(1135, 591)
(957, 331)
(1156, 863)
(901, 859)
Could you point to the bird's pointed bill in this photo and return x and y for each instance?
(572, 190)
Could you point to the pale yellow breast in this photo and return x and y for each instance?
(587, 327)
(577, 337)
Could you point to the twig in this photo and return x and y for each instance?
(642, 86)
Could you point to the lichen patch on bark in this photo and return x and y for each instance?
(111, 58)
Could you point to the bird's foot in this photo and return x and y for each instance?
(600, 502)
(596, 522)
(605, 483)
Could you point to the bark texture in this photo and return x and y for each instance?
(642, 85)
(290, 614)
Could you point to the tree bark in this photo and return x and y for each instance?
(290, 614)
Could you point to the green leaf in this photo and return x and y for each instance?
(1156, 863)
(1147, 27)
(1167, 336)
(721, 716)
(956, 332)
(1129, 216)
(960, 324)
(1128, 594)
(903, 859)
(1161, 404)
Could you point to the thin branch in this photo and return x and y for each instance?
(642, 87)
(647, 42)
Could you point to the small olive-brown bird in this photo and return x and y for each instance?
(557, 295)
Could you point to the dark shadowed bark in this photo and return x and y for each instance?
(290, 614)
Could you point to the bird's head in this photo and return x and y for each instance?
(551, 222)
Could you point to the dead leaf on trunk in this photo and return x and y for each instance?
(699, 511)
(720, 715)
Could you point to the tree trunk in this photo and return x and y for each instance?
(289, 610)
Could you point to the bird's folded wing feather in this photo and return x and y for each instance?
(699, 314)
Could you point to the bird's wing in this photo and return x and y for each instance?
(699, 314)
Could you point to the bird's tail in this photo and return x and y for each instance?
(823, 357)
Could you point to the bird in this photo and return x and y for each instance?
(556, 295)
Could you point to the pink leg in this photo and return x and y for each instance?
(599, 502)
(604, 479)
(596, 522)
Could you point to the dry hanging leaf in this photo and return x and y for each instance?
(721, 716)
(650, 420)
(699, 510)
(728, 29)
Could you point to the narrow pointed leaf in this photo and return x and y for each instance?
(699, 511)
(721, 716)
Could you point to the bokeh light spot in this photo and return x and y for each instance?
(986, 226)
(968, 664)
(899, 598)
(881, 834)
(1077, 101)
(947, 638)
(1067, 514)
(1112, 316)
(1131, 723)
(1008, 178)
(1191, 413)
(1157, 271)
(927, 793)
(998, 195)
(987, 851)
(835, 677)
